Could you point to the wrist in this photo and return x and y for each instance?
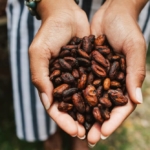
(48, 7)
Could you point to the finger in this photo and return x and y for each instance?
(94, 134)
(135, 52)
(46, 45)
(81, 131)
(118, 115)
(83, 27)
(63, 120)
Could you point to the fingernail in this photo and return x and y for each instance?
(103, 137)
(91, 145)
(139, 96)
(45, 100)
(82, 138)
(73, 135)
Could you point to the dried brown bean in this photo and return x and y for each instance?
(98, 57)
(117, 97)
(75, 41)
(105, 113)
(65, 65)
(78, 102)
(90, 78)
(86, 44)
(60, 89)
(83, 54)
(97, 115)
(106, 83)
(114, 70)
(99, 71)
(64, 53)
(90, 95)
(72, 61)
(115, 84)
(105, 102)
(99, 41)
(104, 50)
(99, 91)
(97, 82)
(69, 92)
(83, 61)
(80, 118)
(75, 73)
(62, 106)
(82, 81)
(123, 64)
(55, 74)
(67, 77)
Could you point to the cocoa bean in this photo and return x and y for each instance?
(104, 50)
(75, 73)
(82, 81)
(62, 106)
(98, 57)
(83, 61)
(90, 95)
(55, 74)
(80, 118)
(69, 92)
(97, 82)
(64, 53)
(65, 65)
(113, 70)
(90, 78)
(99, 41)
(67, 77)
(115, 84)
(97, 115)
(99, 71)
(72, 61)
(99, 91)
(83, 54)
(58, 81)
(60, 89)
(86, 44)
(105, 102)
(106, 84)
(123, 64)
(78, 102)
(117, 97)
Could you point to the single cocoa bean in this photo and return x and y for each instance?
(97, 115)
(62, 106)
(82, 81)
(105, 102)
(106, 84)
(65, 65)
(80, 118)
(83, 54)
(75, 73)
(117, 97)
(69, 92)
(78, 102)
(99, 71)
(113, 70)
(60, 89)
(99, 41)
(90, 95)
(67, 77)
(86, 44)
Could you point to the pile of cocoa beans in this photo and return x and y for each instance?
(89, 79)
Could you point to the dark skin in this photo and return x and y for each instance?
(61, 22)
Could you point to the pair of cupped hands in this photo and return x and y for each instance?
(63, 20)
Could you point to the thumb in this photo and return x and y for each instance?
(135, 52)
(45, 46)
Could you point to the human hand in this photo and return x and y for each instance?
(118, 21)
(60, 22)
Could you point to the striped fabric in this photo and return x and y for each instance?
(32, 122)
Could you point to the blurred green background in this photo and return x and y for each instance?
(134, 134)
